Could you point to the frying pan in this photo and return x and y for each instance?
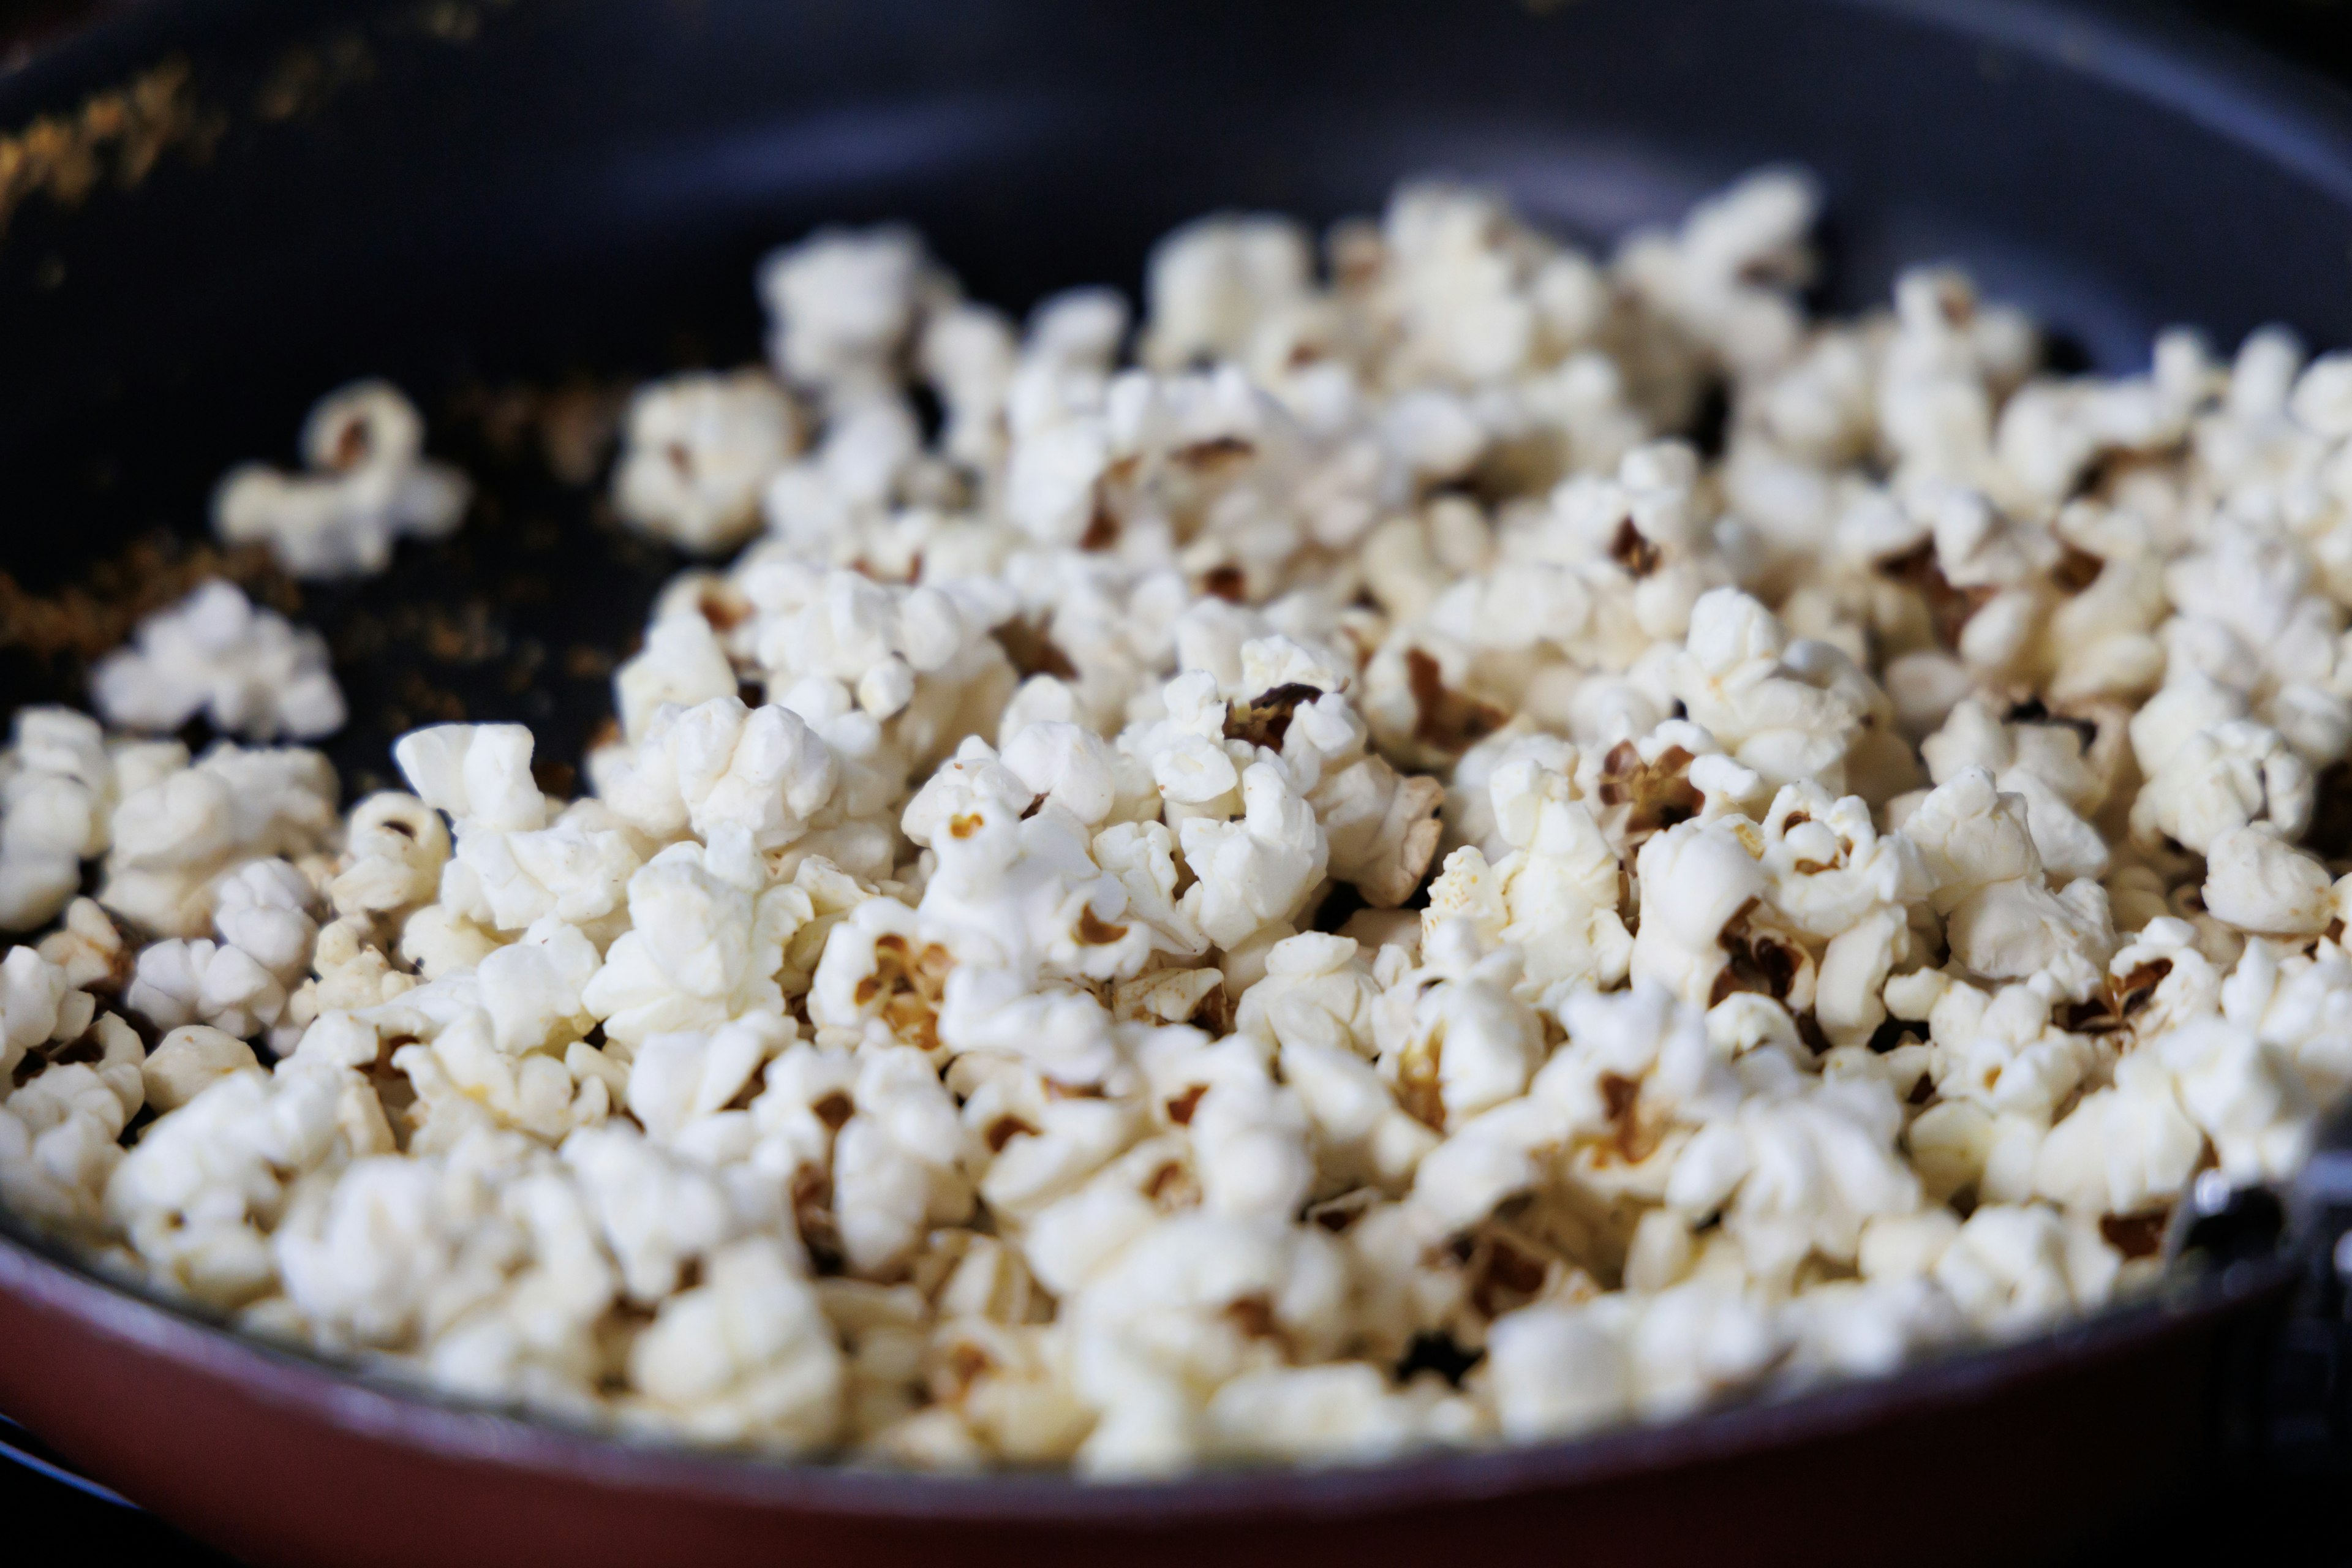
(509, 208)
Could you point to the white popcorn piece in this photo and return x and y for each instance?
(2257, 882)
(697, 452)
(719, 764)
(704, 943)
(57, 786)
(840, 304)
(187, 1061)
(60, 1118)
(248, 671)
(1342, 1412)
(2123, 1150)
(394, 846)
(2227, 777)
(38, 1004)
(2011, 1265)
(368, 485)
(1457, 1043)
(175, 834)
(1799, 1175)
(746, 1357)
(196, 1198)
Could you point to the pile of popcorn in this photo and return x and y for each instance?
(1294, 880)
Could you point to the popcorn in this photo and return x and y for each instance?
(1258, 868)
(840, 303)
(657, 1213)
(1799, 1175)
(1454, 1045)
(719, 764)
(2011, 1265)
(1212, 284)
(184, 825)
(745, 1357)
(511, 863)
(1154, 900)
(187, 1061)
(57, 784)
(704, 946)
(60, 1118)
(1555, 896)
(248, 670)
(695, 453)
(2257, 883)
(394, 846)
(1785, 719)
(2227, 777)
(38, 1004)
(1345, 1412)
(2122, 1150)
(369, 484)
(196, 1197)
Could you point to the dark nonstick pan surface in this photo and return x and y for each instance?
(513, 208)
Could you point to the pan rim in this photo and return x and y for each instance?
(374, 1407)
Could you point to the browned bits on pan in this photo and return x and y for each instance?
(90, 618)
(572, 424)
(127, 129)
(427, 703)
(583, 662)
(451, 21)
(305, 78)
(1443, 718)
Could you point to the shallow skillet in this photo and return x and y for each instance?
(511, 207)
